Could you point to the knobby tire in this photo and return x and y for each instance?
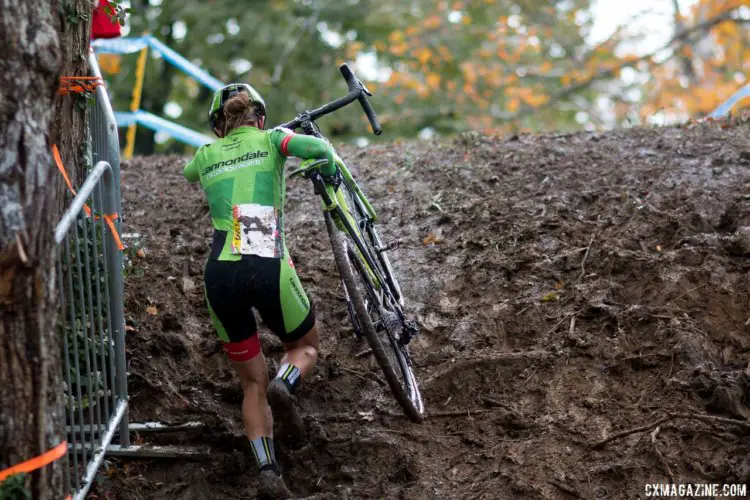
(339, 244)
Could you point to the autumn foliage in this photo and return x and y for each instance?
(502, 66)
(706, 68)
(493, 65)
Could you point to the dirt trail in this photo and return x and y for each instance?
(568, 287)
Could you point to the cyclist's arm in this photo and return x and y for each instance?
(191, 169)
(304, 146)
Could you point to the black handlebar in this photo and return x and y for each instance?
(357, 86)
(357, 91)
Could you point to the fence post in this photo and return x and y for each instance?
(106, 147)
(106, 141)
(116, 290)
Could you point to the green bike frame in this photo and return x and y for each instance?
(347, 176)
(339, 200)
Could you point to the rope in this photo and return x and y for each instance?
(78, 84)
(109, 219)
(37, 462)
(61, 168)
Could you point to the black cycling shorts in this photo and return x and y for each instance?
(268, 285)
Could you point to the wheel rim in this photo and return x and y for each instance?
(398, 356)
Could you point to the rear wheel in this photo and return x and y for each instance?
(377, 324)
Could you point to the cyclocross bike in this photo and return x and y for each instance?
(372, 292)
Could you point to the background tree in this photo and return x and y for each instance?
(449, 61)
(282, 46)
(38, 40)
(446, 66)
(707, 62)
(476, 64)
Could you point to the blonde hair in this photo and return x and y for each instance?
(238, 111)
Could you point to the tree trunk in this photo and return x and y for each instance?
(36, 44)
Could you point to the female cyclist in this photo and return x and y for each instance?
(249, 267)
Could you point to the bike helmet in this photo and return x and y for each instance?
(224, 94)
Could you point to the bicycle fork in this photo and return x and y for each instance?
(352, 314)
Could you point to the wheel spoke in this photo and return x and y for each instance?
(389, 339)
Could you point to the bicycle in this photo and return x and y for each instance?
(373, 295)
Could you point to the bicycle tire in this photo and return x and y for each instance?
(341, 254)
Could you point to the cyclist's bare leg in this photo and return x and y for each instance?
(258, 420)
(256, 414)
(303, 353)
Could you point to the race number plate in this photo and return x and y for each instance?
(254, 230)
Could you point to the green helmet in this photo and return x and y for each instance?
(223, 94)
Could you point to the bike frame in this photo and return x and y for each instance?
(334, 201)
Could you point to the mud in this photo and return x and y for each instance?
(567, 287)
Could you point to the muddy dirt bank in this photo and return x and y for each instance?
(567, 286)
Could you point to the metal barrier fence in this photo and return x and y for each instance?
(90, 284)
(91, 312)
(90, 290)
(105, 146)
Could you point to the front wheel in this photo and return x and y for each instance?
(390, 354)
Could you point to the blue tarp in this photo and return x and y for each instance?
(119, 45)
(148, 120)
(725, 108)
(132, 45)
(157, 124)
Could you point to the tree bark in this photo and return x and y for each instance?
(36, 44)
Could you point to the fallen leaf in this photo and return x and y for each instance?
(152, 310)
(658, 248)
(129, 328)
(141, 253)
(560, 285)
(551, 297)
(430, 239)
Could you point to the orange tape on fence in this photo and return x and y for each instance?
(37, 462)
(61, 168)
(109, 219)
(78, 84)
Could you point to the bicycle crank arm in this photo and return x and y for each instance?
(410, 331)
(390, 246)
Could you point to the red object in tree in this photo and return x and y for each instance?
(102, 25)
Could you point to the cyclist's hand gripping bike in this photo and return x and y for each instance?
(372, 292)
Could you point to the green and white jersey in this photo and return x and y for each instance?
(243, 177)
